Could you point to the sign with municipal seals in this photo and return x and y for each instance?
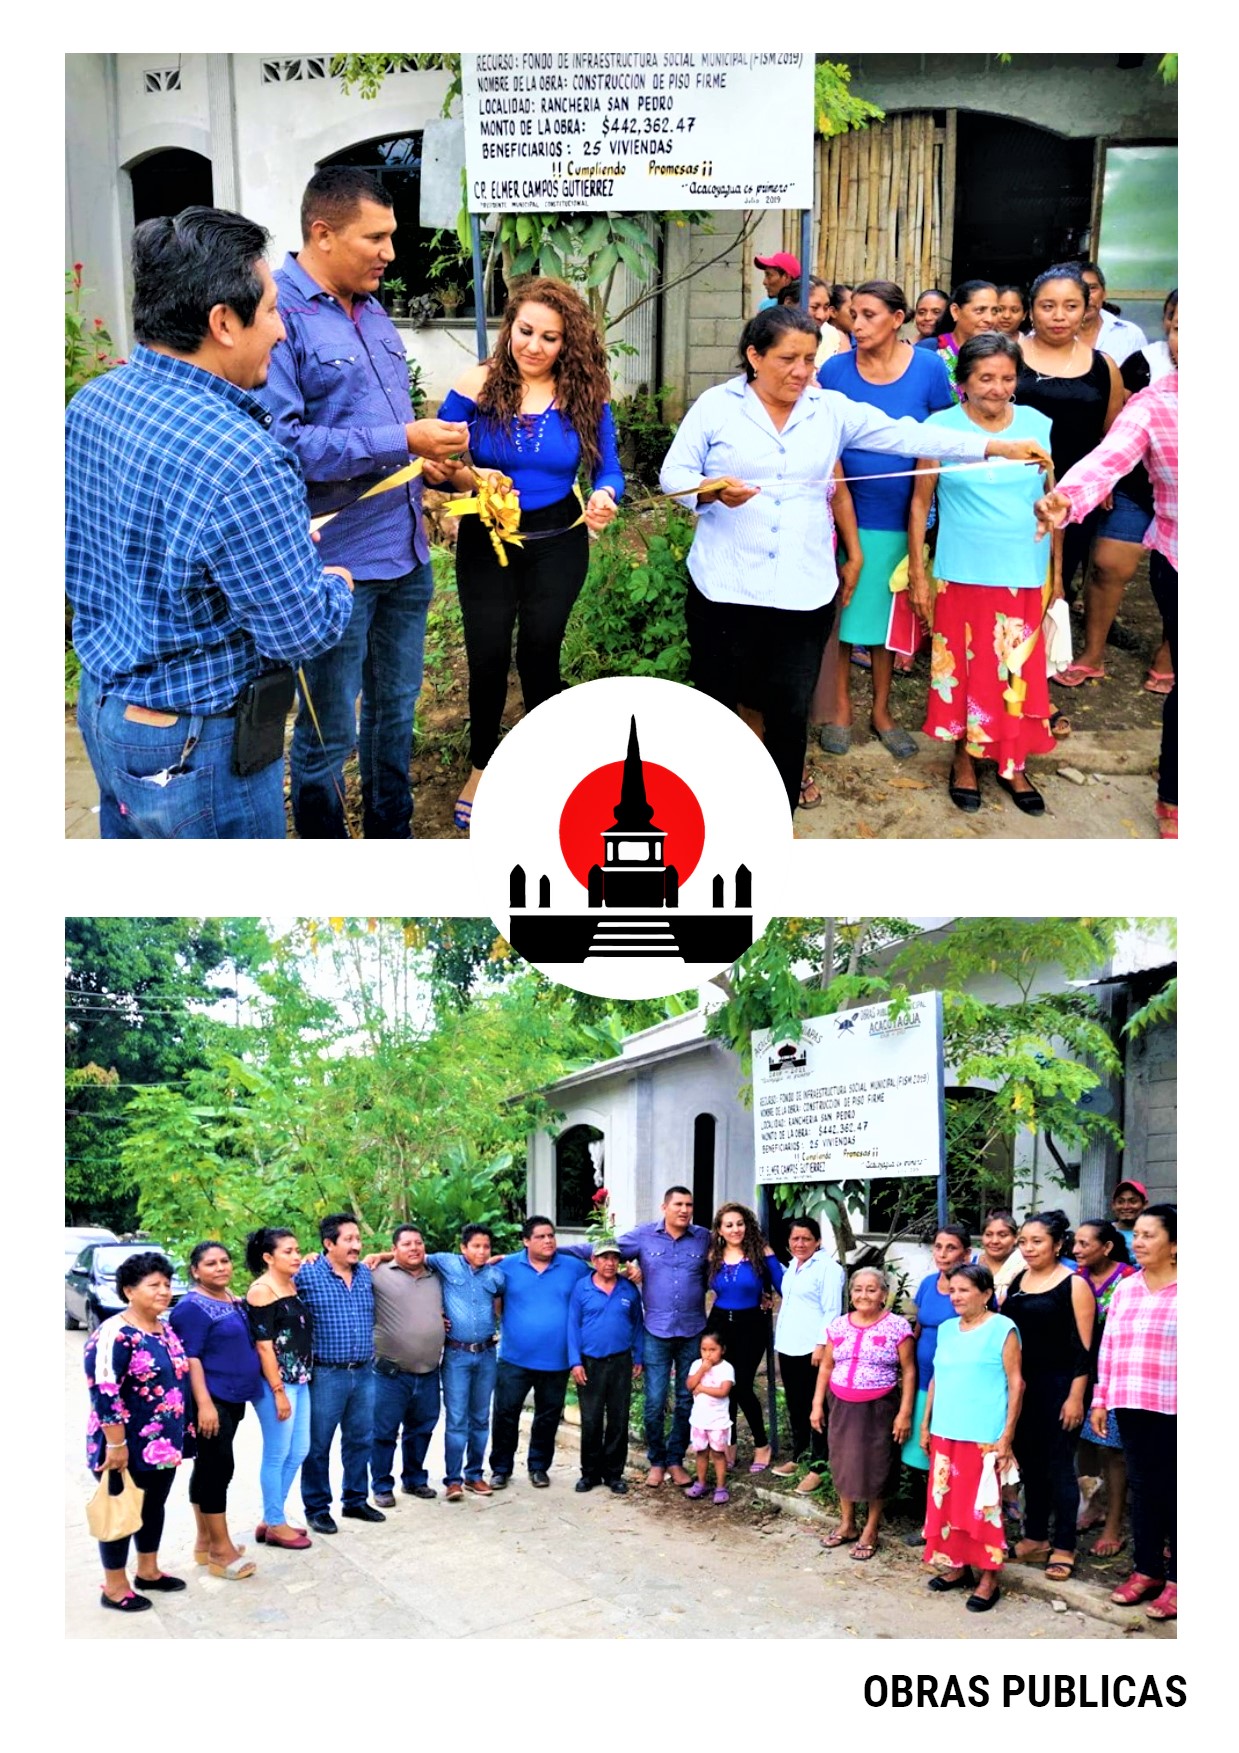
(637, 130)
(859, 1097)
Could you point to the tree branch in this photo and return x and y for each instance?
(742, 236)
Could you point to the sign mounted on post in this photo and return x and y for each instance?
(637, 130)
(857, 1098)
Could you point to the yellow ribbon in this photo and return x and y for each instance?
(498, 505)
(401, 478)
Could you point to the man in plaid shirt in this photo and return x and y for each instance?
(1146, 431)
(189, 561)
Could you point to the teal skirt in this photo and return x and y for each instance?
(912, 1454)
(867, 618)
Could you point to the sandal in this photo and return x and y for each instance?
(461, 813)
(696, 1489)
(1061, 1570)
(838, 1538)
(1137, 1588)
(234, 1572)
(861, 657)
(810, 796)
(865, 1552)
(1166, 1606)
(1167, 820)
(1158, 681)
(1107, 1548)
(1060, 725)
(722, 1495)
(895, 741)
(1039, 1552)
(1076, 674)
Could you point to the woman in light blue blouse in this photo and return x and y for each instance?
(538, 410)
(762, 571)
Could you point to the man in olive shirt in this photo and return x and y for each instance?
(408, 1344)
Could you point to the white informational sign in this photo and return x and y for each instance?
(857, 1098)
(637, 130)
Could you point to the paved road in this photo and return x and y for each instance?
(529, 1564)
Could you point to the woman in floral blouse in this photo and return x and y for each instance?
(138, 1374)
(869, 1370)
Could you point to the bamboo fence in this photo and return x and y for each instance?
(885, 203)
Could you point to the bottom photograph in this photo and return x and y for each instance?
(409, 1294)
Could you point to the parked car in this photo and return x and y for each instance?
(76, 1240)
(90, 1283)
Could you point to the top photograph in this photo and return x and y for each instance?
(404, 392)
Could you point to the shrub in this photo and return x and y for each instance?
(88, 346)
(629, 619)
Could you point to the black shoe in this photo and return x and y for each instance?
(322, 1522)
(363, 1512)
(618, 1486)
(385, 1500)
(1033, 804)
(499, 1481)
(983, 1603)
(164, 1584)
(427, 1491)
(964, 797)
(917, 1539)
(940, 1584)
(582, 1484)
(539, 1479)
(130, 1604)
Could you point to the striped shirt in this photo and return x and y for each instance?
(343, 1313)
(1147, 431)
(776, 550)
(189, 562)
(1138, 1364)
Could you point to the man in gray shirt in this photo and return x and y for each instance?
(408, 1344)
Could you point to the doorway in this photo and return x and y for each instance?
(1023, 199)
(167, 182)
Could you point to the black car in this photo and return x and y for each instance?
(90, 1283)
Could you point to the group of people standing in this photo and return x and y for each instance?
(999, 1366)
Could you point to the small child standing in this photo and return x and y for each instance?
(710, 1383)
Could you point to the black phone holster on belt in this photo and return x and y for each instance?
(261, 710)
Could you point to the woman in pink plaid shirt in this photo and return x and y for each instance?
(1137, 1377)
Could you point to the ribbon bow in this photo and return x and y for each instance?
(498, 505)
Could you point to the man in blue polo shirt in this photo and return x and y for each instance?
(470, 1286)
(605, 1352)
(339, 391)
(533, 1349)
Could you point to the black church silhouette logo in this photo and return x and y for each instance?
(788, 1057)
(632, 892)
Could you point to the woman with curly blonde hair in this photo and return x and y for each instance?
(743, 1273)
(537, 410)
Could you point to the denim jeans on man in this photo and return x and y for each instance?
(285, 1443)
(402, 1399)
(662, 1356)
(380, 658)
(205, 801)
(512, 1385)
(468, 1384)
(345, 1398)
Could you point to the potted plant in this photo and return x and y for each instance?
(450, 270)
(451, 297)
(397, 293)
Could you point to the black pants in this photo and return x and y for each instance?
(765, 658)
(212, 1474)
(1150, 1444)
(1046, 1455)
(533, 593)
(1165, 582)
(799, 1386)
(512, 1385)
(156, 1484)
(605, 1400)
(745, 1333)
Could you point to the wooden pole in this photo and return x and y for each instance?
(946, 267)
(928, 172)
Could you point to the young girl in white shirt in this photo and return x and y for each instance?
(710, 1382)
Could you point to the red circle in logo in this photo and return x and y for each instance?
(590, 811)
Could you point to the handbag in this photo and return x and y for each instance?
(111, 1515)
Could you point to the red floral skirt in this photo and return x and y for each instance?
(986, 686)
(953, 1529)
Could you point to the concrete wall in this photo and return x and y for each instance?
(703, 317)
(1150, 1112)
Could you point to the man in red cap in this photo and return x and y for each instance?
(778, 271)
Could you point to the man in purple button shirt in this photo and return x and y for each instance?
(672, 1256)
(339, 390)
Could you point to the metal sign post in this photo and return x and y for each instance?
(806, 247)
(765, 1212)
(479, 290)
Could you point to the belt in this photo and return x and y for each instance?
(320, 1363)
(385, 1367)
(470, 1345)
(163, 717)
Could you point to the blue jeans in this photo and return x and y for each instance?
(468, 1383)
(411, 1401)
(285, 1442)
(342, 1399)
(203, 801)
(380, 657)
(662, 1356)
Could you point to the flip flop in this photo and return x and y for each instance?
(1167, 820)
(1159, 681)
(830, 1541)
(810, 795)
(864, 1553)
(861, 658)
(461, 813)
(1104, 1548)
(1076, 674)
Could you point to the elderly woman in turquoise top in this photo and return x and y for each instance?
(988, 693)
(761, 567)
(538, 411)
(971, 1413)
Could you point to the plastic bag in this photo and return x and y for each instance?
(110, 1515)
(1056, 631)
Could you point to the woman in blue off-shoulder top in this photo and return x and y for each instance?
(537, 410)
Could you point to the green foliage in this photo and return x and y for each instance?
(417, 388)
(467, 1190)
(73, 675)
(629, 619)
(644, 433)
(365, 74)
(88, 346)
(1158, 1009)
(1168, 67)
(835, 106)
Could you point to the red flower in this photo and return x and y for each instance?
(599, 1197)
(98, 322)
